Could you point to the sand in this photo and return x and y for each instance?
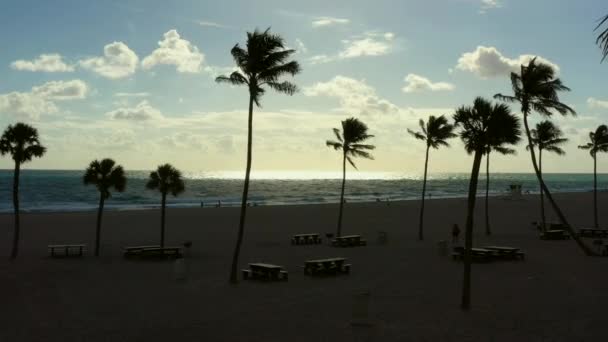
(556, 294)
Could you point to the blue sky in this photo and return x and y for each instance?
(151, 98)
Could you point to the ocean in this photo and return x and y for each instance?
(55, 190)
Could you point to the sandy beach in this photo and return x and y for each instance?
(556, 294)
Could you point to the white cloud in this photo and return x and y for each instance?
(328, 21)
(185, 140)
(173, 50)
(355, 97)
(141, 112)
(45, 62)
(40, 100)
(62, 90)
(207, 23)
(419, 83)
(118, 61)
(368, 44)
(488, 5)
(487, 62)
(595, 103)
(143, 94)
(300, 47)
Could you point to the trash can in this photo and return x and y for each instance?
(361, 309)
(382, 238)
(442, 247)
(179, 269)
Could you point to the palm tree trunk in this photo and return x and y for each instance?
(543, 219)
(421, 219)
(162, 220)
(339, 231)
(488, 231)
(239, 240)
(557, 210)
(16, 207)
(468, 238)
(98, 231)
(595, 220)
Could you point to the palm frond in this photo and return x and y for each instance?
(602, 38)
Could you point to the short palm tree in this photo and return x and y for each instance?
(546, 137)
(598, 142)
(536, 88)
(435, 133)
(22, 143)
(167, 180)
(602, 38)
(350, 142)
(496, 143)
(260, 64)
(479, 125)
(105, 175)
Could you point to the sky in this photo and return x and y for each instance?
(134, 80)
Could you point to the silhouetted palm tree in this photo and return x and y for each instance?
(166, 179)
(536, 88)
(435, 133)
(481, 124)
(546, 137)
(262, 63)
(350, 142)
(105, 175)
(497, 144)
(21, 142)
(598, 142)
(602, 38)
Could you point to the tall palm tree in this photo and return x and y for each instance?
(105, 175)
(481, 124)
(21, 142)
(598, 142)
(261, 63)
(496, 143)
(434, 133)
(166, 179)
(350, 142)
(536, 88)
(546, 137)
(602, 38)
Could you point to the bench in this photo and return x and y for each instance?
(80, 248)
(154, 252)
(136, 250)
(306, 239)
(263, 271)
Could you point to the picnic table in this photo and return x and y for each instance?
(506, 252)
(593, 232)
(326, 266)
(265, 271)
(477, 254)
(306, 239)
(78, 248)
(348, 241)
(554, 234)
(152, 251)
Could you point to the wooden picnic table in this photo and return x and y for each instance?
(349, 241)
(309, 238)
(555, 234)
(265, 271)
(66, 249)
(506, 252)
(153, 251)
(329, 265)
(593, 232)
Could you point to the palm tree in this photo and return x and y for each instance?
(602, 38)
(434, 133)
(350, 142)
(598, 142)
(481, 124)
(21, 142)
(261, 63)
(546, 137)
(536, 88)
(105, 175)
(497, 144)
(166, 179)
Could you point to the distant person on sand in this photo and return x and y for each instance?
(455, 233)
